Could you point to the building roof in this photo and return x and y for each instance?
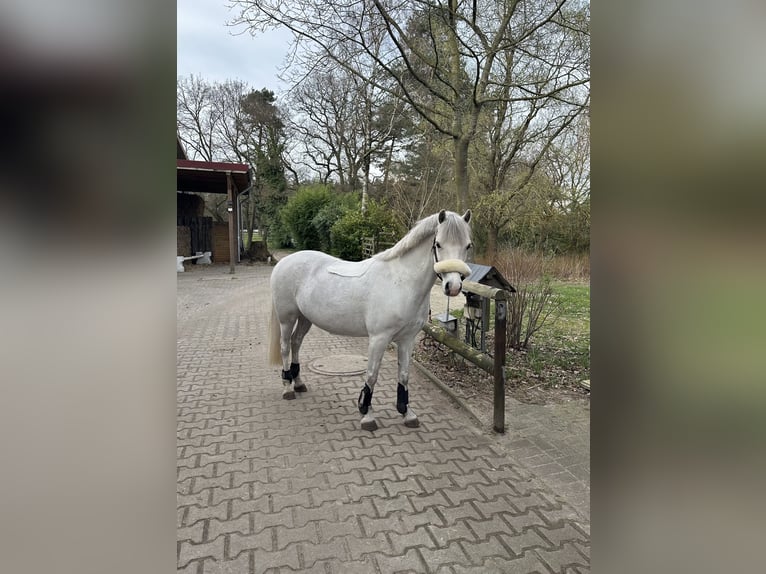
(210, 176)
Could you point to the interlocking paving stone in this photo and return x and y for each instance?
(315, 551)
(240, 565)
(189, 551)
(446, 534)
(410, 560)
(560, 559)
(217, 527)
(361, 547)
(239, 543)
(268, 485)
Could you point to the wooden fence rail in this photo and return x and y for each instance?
(494, 366)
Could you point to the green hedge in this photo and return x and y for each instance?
(349, 231)
(317, 217)
(299, 213)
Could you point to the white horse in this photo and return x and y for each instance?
(385, 298)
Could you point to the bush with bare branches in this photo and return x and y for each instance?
(534, 303)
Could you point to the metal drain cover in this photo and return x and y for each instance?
(339, 365)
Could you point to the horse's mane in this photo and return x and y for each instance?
(424, 229)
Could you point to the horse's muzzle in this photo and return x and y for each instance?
(453, 288)
(452, 272)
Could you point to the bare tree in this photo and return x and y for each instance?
(347, 121)
(445, 58)
(419, 174)
(196, 117)
(568, 164)
(324, 115)
(230, 121)
(520, 135)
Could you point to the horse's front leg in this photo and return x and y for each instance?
(376, 348)
(404, 352)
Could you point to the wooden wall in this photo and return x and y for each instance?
(220, 243)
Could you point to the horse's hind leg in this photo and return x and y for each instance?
(286, 330)
(404, 354)
(300, 331)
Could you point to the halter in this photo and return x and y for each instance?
(436, 259)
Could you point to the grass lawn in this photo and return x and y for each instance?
(558, 356)
(246, 243)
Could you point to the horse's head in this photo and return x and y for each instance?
(451, 245)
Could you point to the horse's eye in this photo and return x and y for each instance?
(438, 245)
(469, 245)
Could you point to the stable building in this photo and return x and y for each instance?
(195, 232)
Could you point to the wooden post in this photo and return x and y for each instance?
(494, 366)
(501, 312)
(232, 224)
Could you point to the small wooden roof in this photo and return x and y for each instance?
(487, 275)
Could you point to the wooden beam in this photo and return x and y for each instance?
(485, 291)
(232, 223)
(474, 355)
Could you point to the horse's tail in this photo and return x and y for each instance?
(275, 354)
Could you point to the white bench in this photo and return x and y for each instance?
(204, 259)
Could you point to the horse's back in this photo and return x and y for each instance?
(301, 283)
(303, 260)
(291, 271)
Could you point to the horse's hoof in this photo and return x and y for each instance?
(288, 395)
(300, 388)
(369, 425)
(368, 421)
(411, 420)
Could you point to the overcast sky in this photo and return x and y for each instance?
(208, 48)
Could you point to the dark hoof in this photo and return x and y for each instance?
(300, 388)
(369, 425)
(288, 395)
(413, 424)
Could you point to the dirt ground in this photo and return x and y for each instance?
(555, 385)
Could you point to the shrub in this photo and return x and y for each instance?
(279, 234)
(347, 233)
(299, 213)
(331, 212)
(534, 302)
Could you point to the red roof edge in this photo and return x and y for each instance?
(212, 165)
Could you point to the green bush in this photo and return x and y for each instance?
(331, 212)
(299, 213)
(353, 226)
(279, 235)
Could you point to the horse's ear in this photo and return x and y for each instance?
(442, 216)
(467, 216)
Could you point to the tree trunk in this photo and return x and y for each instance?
(364, 191)
(461, 173)
(387, 165)
(492, 233)
(251, 222)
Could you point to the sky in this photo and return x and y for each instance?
(207, 47)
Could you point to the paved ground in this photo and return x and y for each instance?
(267, 485)
(553, 440)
